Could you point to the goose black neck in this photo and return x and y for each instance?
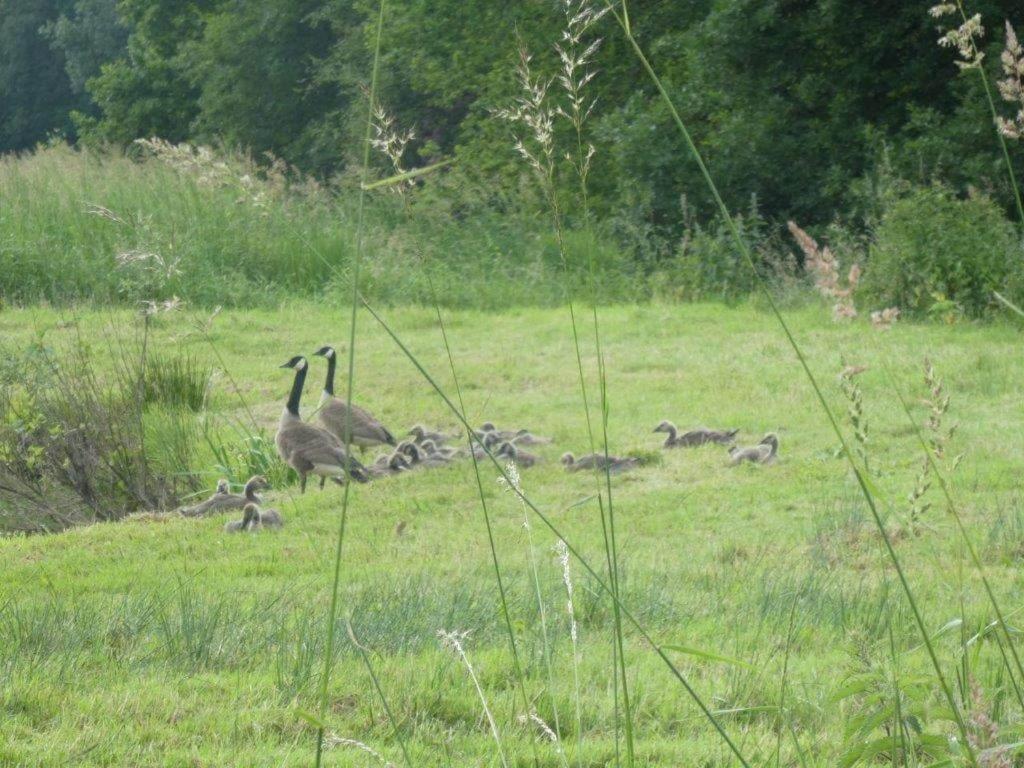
(329, 384)
(296, 395)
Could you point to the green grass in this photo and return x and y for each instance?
(230, 233)
(163, 642)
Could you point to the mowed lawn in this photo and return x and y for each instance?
(162, 641)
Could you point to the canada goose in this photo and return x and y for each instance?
(224, 501)
(333, 413)
(309, 449)
(598, 461)
(223, 486)
(525, 437)
(511, 452)
(421, 433)
(250, 520)
(762, 453)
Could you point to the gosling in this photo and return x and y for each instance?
(511, 452)
(250, 520)
(762, 453)
(614, 464)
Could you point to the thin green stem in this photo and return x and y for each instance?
(602, 585)
(380, 692)
(954, 511)
(506, 616)
(798, 351)
(357, 257)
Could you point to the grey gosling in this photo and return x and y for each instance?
(224, 501)
(440, 451)
(250, 520)
(598, 461)
(511, 452)
(762, 453)
(420, 433)
(525, 437)
(333, 413)
(389, 464)
(309, 449)
(695, 437)
(269, 518)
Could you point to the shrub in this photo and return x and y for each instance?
(933, 252)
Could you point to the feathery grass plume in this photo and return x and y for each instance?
(984, 733)
(453, 641)
(858, 419)
(965, 39)
(338, 741)
(392, 143)
(531, 111)
(824, 266)
(1011, 87)
(576, 57)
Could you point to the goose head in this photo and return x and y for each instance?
(568, 459)
(327, 352)
(222, 486)
(298, 363)
(665, 426)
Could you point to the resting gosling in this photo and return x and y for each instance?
(308, 449)
(421, 434)
(762, 453)
(250, 520)
(525, 437)
(224, 501)
(521, 458)
(333, 413)
(598, 461)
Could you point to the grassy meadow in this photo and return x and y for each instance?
(158, 640)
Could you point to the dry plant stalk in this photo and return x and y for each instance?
(823, 264)
(1011, 87)
(939, 438)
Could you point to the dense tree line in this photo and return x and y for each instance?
(795, 101)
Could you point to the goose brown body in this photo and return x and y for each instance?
(306, 448)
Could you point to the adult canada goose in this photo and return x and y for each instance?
(762, 453)
(333, 413)
(598, 461)
(309, 449)
(420, 433)
(511, 452)
(250, 520)
(224, 501)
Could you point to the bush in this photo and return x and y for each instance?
(933, 252)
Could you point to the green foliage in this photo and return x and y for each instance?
(935, 253)
(177, 381)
